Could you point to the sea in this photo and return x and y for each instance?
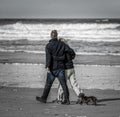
(85, 36)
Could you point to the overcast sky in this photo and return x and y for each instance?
(59, 8)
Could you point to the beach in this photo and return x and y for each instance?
(34, 76)
(20, 83)
(20, 102)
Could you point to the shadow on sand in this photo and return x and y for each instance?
(99, 100)
(74, 102)
(108, 99)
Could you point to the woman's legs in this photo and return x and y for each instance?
(70, 75)
(74, 83)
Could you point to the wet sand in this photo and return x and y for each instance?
(20, 102)
(24, 57)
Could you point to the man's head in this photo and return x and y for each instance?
(54, 34)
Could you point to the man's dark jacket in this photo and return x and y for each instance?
(55, 54)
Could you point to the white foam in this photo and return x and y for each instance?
(24, 64)
(78, 53)
(95, 53)
(40, 64)
(77, 31)
(98, 65)
(27, 51)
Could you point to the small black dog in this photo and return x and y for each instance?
(87, 100)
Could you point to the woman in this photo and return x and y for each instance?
(70, 75)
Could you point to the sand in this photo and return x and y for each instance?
(94, 77)
(20, 102)
(34, 76)
(24, 57)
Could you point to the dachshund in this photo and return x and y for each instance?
(88, 100)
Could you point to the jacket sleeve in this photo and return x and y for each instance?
(70, 51)
(48, 57)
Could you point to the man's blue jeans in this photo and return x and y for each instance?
(60, 74)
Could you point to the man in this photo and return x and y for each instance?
(70, 75)
(55, 57)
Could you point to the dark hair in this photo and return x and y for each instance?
(55, 33)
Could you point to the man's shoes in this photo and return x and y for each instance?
(65, 102)
(40, 99)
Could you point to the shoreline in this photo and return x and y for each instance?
(44, 64)
(22, 57)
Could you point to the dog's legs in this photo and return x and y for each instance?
(95, 102)
(78, 101)
(87, 102)
(81, 102)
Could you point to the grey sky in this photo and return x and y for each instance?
(59, 8)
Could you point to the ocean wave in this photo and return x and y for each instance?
(24, 64)
(72, 38)
(27, 51)
(95, 39)
(78, 53)
(73, 31)
(96, 53)
(43, 65)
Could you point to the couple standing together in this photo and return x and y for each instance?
(59, 64)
